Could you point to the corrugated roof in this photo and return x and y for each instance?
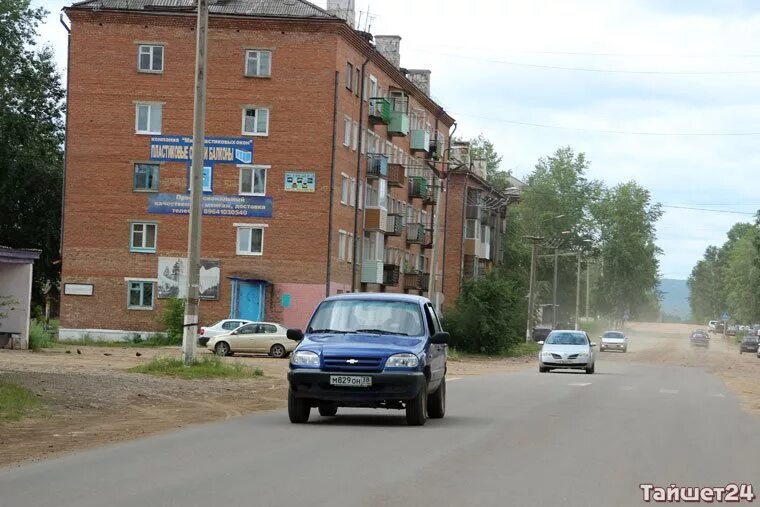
(266, 8)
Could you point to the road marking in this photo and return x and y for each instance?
(454, 378)
(668, 391)
(626, 388)
(580, 384)
(718, 395)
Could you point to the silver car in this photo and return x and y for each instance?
(613, 340)
(567, 349)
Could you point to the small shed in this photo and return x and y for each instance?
(15, 296)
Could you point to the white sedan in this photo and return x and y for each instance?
(613, 340)
(256, 337)
(566, 349)
(222, 327)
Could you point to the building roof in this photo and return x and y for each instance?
(265, 8)
(18, 255)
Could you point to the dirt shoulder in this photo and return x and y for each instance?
(669, 344)
(91, 400)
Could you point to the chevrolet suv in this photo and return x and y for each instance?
(369, 350)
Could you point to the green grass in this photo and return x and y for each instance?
(39, 338)
(16, 402)
(523, 349)
(207, 367)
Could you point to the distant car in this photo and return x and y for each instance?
(700, 338)
(731, 331)
(749, 344)
(540, 333)
(566, 349)
(256, 337)
(222, 327)
(711, 326)
(613, 340)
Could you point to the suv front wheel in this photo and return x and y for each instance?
(298, 408)
(437, 402)
(416, 408)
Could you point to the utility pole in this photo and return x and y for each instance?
(588, 285)
(554, 289)
(534, 240)
(431, 288)
(190, 331)
(578, 294)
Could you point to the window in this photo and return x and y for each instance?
(364, 142)
(350, 253)
(258, 63)
(146, 178)
(356, 136)
(347, 131)
(231, 325)
(352, 200)
(373, 87)
(207, 181)
(150, 58)
(421, 263)
(148, 118)
(361, 194)
(374, 246)
(253, 180)
(255, 121)
(357, 82)
(472, 230)
(140, 295)
(349, 75)
(345, 191)
(143, 237)
(250, 239)
(268, 328)
(342, 236)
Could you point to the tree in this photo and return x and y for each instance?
(31, 139)
(627, 218)
(482, 148)
(706, 288)
(741, 279)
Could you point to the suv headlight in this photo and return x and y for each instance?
(304, 358)
(402, 361)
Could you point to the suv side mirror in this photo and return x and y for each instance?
(593, 344)
(294, 334)
(440, 338)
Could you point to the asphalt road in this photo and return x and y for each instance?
(523, 439)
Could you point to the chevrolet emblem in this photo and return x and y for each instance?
(352, 361)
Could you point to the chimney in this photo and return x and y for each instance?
(389, 46)
(344, 9)
(420, 78)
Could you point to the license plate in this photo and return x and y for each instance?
(350, 380)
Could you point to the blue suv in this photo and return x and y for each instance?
(369, 350)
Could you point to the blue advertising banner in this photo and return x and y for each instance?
(217, 150)
(213, 205)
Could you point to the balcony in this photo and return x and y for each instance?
(420, 140)
(413, 280)
(375, 219)
(435, 149)
(396, 175)
(415, 233)
(394, 225)
(480, 169)
(432, 195)
(473, 212)
(399, 124)
(377, 165)
(418, 187)
(391, 275)
(372, 271)
(485, 251)
(471, 247)
(379, 111)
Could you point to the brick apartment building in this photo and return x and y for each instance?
(321, 153)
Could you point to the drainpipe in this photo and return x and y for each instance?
(359, 243)
(332, 187)
(66, 134)
(464, 232)
(446, 212)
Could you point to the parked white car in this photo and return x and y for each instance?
(256, 337)
(222, 327)
(613, 340)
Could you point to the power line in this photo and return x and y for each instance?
(603, 131)
(595, 70)
(708, 210)
(606, 53)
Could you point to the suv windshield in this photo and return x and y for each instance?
(367, 316)
(566, 339)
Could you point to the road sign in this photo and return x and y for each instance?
(725, 316)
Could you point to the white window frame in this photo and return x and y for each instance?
(347, 126)
(350, 248)
(157, 177)
(238, 227)
(142, 249)
(373, 86)
(345, 195)
(342, 238)
(352, 192)
(142, 294)
(151, 47)
(257, 109)
(253, 168)
(151, 108)
(349, 76)
(258, 63)
(355, 136)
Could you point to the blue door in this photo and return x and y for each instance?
(251, 300)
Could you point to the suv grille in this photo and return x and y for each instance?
(341, 363)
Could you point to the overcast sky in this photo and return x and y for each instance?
(671, 69)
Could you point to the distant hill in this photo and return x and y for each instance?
(675, 298)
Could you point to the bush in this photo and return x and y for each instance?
(173, 319)
(489, 317)
(39, 338)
